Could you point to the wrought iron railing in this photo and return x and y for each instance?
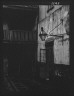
(19, 35)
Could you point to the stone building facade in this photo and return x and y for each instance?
(51, 24)
(54, 23)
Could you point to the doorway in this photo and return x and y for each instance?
(49, 58)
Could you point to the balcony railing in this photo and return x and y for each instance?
(19, 35)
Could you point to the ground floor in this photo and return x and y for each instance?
(22, 74)
(21, 86)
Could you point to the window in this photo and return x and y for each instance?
(43, 55)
